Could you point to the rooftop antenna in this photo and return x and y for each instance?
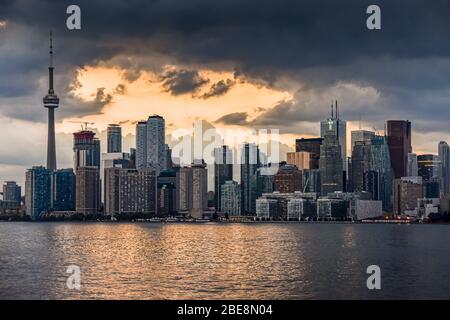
(332, 110)
(337, 111)
(50, 66)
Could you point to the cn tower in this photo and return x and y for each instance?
(51, 102)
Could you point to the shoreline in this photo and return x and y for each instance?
(387, 222)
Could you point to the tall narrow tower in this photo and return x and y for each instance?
(51, 102)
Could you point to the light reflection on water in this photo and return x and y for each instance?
(223, 261)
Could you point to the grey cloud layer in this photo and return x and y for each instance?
(317, 43)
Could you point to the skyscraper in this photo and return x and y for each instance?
(361, 156)
(250, 162)
(114, 136)
(37, 191)
(151, 149)
(429, 169)
(380, 163)
(223, 171)
(156, 150)
(330, 163)
(141, 144)
(184, 192)
(339, 127)
(199, 189)
(399, 140)
(444, 159)
(86, 149)
(51, 102)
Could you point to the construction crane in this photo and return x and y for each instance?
(85, 123)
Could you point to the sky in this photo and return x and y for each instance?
(253, 64)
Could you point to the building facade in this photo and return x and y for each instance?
(63, 190)
(130, 192)
(406, 192)
(12, 192)
(38, 192)
(301, 159)
(288, 179)
(231, 198)
(199, 190)
(87, 190)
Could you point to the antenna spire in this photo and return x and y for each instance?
(50, 67)
(337, 111)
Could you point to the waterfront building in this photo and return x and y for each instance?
(12, 192)
(231, 198)
(38, 191)
(130, 192)
(406, 192)
(331, 209)
(365, 209)
(266, 208)
(302, 209)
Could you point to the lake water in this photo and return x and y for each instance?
(223, 261)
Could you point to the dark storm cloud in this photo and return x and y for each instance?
(182, 81)
(219, 88)
(316, 42)
(237, 118)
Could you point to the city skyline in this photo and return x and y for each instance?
(127, 75)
